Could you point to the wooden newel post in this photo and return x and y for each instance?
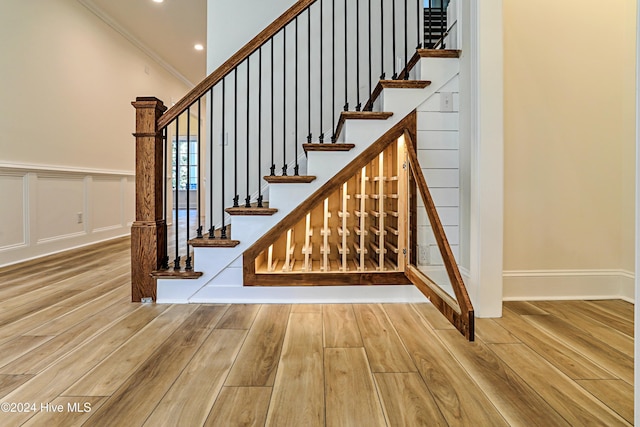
(149, 231)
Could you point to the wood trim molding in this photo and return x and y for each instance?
(330, 279)
(235, 60)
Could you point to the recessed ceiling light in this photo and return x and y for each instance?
(198, 47)
(158, 1)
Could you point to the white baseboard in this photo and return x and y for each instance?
(532, 285)
(305, 295)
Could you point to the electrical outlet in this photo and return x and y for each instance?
(446, 101)
(79, 217)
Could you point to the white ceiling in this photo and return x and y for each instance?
(166, 31)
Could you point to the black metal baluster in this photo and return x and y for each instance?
(247, 200)
(382, 39)
(165, 261)
(284, 101)
(333, 71)
(393, 38)
(199, 230)
(358, 104)
(273, 162)
(176, 261)
(321, 137)
(309, 136)
(223, 229)
(370, 67)
(188, 266)
(418, 30)
(346, 60)
(212, 227)
(406, 41)
(260, 127)
(296, 169)
(236, 197)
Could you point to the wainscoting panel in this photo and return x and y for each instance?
(13, 210)
(54, 208)
(107, 211)
(60, 199)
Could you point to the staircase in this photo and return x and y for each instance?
(346, 147)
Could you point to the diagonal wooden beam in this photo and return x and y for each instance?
(462, 297)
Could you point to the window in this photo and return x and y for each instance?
(188, 171)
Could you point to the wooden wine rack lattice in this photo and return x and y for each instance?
(361, 227)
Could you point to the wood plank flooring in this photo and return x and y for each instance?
(78, 353)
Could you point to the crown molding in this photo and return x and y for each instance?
(107, 19)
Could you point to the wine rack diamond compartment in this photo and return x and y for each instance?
(361, 227)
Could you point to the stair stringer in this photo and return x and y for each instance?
(213, 262)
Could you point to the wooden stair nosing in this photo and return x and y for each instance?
(394, 84)
(328, 147)
(428, 53)
(172, 274)
(292, 179)
(216, 242)
(360, 115)
(253, 210)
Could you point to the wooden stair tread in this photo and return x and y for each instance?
(428, 53)
(394, 84)
(439, 53)
(293, 179)
(327, 147)
(173, 274)
(404, 84)
(361, 115)
(206, 242)
(365, 115)
(253, 210)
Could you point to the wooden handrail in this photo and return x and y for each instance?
(235, 60)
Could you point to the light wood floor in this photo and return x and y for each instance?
(70, 340)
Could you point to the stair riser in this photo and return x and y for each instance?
(438, 70)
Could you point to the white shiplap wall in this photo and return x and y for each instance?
(439, 156)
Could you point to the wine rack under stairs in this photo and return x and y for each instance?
(361, 227)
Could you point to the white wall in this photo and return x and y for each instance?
(66, 117)
(230, 27)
